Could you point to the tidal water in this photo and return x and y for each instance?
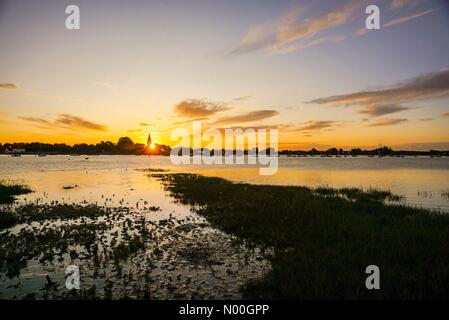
(184, 257)
(422, 181)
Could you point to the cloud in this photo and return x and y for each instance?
(242, 99)
(194, 108)
(381, 109)
(299, 29)
(407, 18)
(9, 86)
(426, 119)
(315, 125)
(425, 86)
(445, 114)
(257, 38)
(66, 121)
(145, 124)
(386, 122)
(361, 31)
(36, 120)
(182, 122)
(134, 130)
(255, 128)
(248, 117)
(78, 122)
(278, 36)
(399, 4)
(301, 46)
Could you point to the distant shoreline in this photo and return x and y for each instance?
(287, 153)
(125, 146)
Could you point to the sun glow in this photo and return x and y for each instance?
(152, 146)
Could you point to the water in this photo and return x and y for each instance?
(423, 181)
(182, 258)
(185, 257)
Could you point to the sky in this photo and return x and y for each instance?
(309, 68)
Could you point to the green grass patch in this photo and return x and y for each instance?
(324, 241)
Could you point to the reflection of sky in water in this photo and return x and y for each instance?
(112, 180)
(113, 188)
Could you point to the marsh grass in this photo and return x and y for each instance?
(33, 212)
(359, 194)
(122, 255)
(323, 242)
(8, 191)
(151, 170)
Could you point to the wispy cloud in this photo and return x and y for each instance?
(426, 86)
(296, 29)
(399, 4)
(243, 98)
(386, 122)
(9, 85)
(66, 121)
(361, 31)
(248, 117)
(78, 122)
(255, 128)
(146, 124)
(382, 109)
(317, 125)
(279, 36)
(301, 46)
(445, 114)
(36, 120)
(407, 18)
(194, 108)
(189, 121)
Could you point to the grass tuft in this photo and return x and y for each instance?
(8, 191)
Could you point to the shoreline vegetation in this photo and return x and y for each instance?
(123, 253)
(125, 146)
(318, 242)
(8, 191)
(324, 239)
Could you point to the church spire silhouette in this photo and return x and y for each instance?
(149, 140)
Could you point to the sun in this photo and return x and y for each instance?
(152, 146)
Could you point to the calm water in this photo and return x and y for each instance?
(186, 258)
(424, 181)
